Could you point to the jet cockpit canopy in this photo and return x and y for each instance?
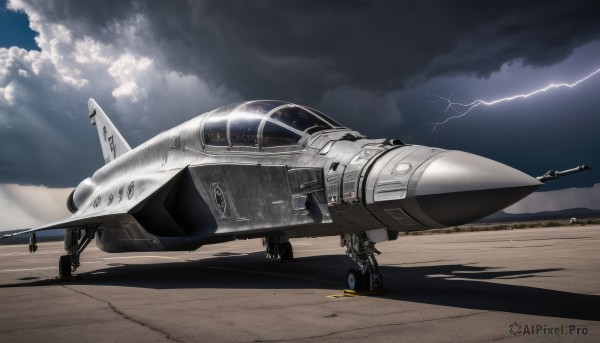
(263, 124)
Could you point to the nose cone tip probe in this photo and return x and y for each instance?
(459, 187)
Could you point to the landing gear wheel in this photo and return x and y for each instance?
(362, 251)
(278, 247)
(286, 252)
(354, 280)
(367, 280)
(64, 266)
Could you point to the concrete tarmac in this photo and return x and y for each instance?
(521, 285)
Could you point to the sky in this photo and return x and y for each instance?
(375, 66)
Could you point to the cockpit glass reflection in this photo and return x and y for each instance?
(244, 130)
(215, 129)
(275, 135)
(300, 119)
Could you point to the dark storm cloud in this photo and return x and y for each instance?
(153, 64)
(297, 50)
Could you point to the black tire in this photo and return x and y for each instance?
(354, 280)
(286, 252)
(367, 280)
(64, 266)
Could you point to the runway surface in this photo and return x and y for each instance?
(468, 287)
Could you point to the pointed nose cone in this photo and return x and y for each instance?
(459, 187)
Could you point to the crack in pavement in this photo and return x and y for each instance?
(119, 312)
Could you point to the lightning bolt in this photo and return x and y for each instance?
(462, 110)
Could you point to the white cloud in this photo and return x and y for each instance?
(8, 93)
(30, 206)
(559, 200)
(125, 70)
(88, 51)
(43, 96)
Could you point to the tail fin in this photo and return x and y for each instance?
(112, 143)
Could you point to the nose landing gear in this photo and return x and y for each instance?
(362, 251)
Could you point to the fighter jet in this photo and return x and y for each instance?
(275, 170)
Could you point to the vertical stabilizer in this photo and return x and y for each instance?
(112, 143)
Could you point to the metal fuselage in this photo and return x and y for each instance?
(332, 182)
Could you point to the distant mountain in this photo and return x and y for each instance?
(562, 214)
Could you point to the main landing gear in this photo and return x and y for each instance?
(278, 247)
(76, 240)
(362, 251)
(32, 243)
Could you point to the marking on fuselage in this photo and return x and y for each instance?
(219, 198)
(130, 190)
(350, 177)
(120, 196)
(97, 201)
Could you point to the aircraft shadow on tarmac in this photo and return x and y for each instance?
(455, 285)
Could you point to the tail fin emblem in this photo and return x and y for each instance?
(113, 147)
